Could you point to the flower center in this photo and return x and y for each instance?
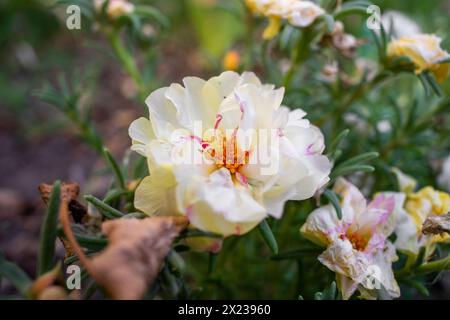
(225, 152)
(358, 241)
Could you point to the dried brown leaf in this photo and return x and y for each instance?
(437, 224)
(69, 194)
(134, 255)
(69, 191)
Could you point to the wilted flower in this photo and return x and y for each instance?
(357, 247)
(224, 153)
(345, 43)
(424, 51)
(299, 13)
(424, 203)
(329, 72)
(415, 208)
(115, 8)
(232, 60)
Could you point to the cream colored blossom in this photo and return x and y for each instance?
(344, 42)
(115, 8)
(424, 203)
(415, 209)
(329, 72)
(202, 166)
(299, 13)
(424, 51)
(356, 245)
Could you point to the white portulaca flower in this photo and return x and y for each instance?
(115, 8)
(424, 51)
(225, 153)
(357, 245)
(299, 13)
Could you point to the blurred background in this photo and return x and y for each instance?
(38, 143)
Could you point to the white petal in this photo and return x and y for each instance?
(164, 116)
(405, 228)
(214, 203)
(378, 214)
(156, 194)
(346, 286)
(383, 260)
(141, 131)
(342, 258)
(321, 225)
(257, 104)
(202, 216)
(353, 203)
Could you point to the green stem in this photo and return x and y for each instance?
(126, 59)
(107, 210)
(120, 180)
(359, 92)
(300, 54)
(434, 266)
(430, 267)
(48, 232)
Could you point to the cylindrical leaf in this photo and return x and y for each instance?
(49, 231)
(268, 236)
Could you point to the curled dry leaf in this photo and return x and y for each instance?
(69, 194)
(69, 191)
(437, 224)
(134, 255)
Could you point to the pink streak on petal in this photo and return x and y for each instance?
(189, 212)
(242, 105)
(280, 132)
(219, 118)
(242, 179)
(309, 152)
(377, 242)
(387, 204)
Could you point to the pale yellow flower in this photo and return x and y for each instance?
(415, 208)
(424, 51)
(115, 8)
(357, 248)
(424, 203)
(230, 189)
(299, 13)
